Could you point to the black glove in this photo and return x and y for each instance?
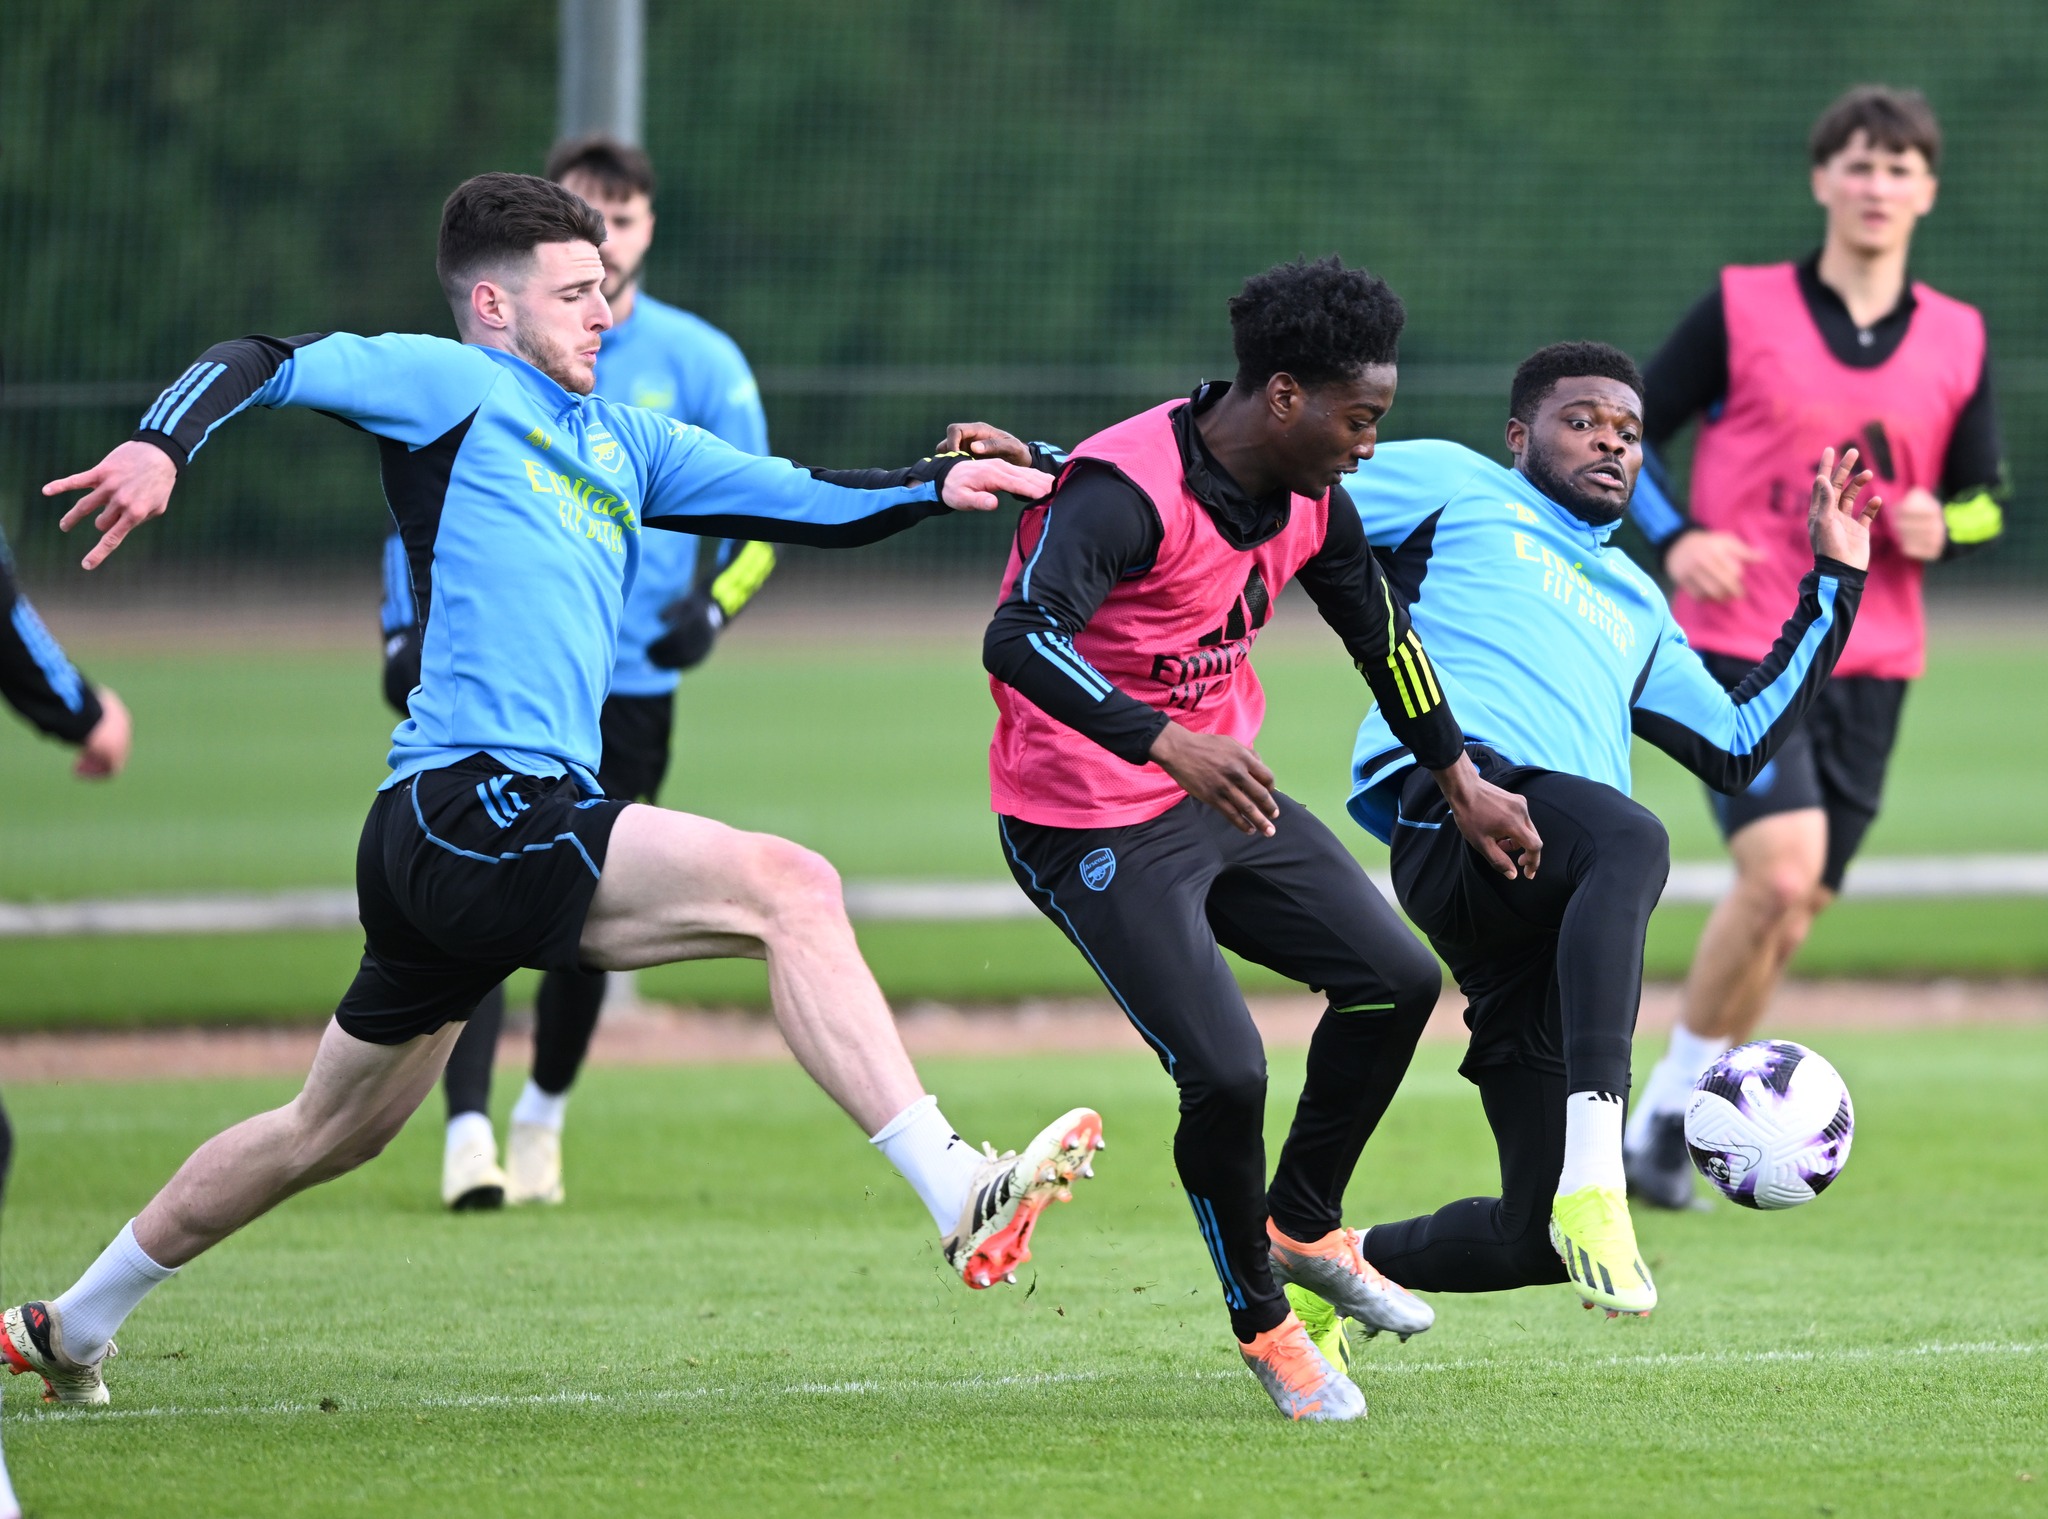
(693, 622)
(401, 667)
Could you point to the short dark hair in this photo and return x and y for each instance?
(496, 217)
(1315, 320)
(1539, 373)
(1894, 120)
(620, 169)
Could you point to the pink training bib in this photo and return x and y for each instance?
(1788, 399)
(1178, 638)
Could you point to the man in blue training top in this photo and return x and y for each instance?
(521, 499)
(1551, 646)
(667, 360)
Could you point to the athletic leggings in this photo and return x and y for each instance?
(564, 1017)
(1148, 905)
(1552, 970)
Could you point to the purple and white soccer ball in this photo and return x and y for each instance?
(1769, 1123)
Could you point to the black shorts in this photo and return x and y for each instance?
(636, 745)
(1834, 760)
(463, 876)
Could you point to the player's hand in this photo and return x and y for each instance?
(971, 485)
(1833, 523)
(1494, 822)
(105, 751)
(984, 440)
(1220, 772)
(692, 623)
(1708, 565)
(1919, 526)
(127, 488)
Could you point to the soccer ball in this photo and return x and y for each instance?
(1770, 1124)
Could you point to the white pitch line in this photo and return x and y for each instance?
(1695, 883)
(869, 1386)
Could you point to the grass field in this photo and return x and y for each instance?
(252, 772)
(740, 1310)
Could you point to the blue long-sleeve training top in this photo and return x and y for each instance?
(674, 362)
(520, 506)
(1552, 646)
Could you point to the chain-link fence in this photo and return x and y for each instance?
(1028, 210)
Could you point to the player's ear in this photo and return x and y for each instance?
(1518, 436)
(1283, 397)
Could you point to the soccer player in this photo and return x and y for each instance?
(41, 684)
(1134, 813)
(668, 360)
(1780, 362)
(1552, 646)
(521, 498)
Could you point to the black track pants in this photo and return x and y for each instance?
(467, 1080)
(1148, 904)
(565, 1017)
(1552, 969)
(1489, 1244)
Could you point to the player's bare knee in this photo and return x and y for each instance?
(796, 885)
(1784, 890)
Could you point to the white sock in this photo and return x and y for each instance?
(548, 1109)
(940, 1164)
(1670, 1085)
(10, 1506)
(1592, 1142)
(100, 1301)
(471, 1131)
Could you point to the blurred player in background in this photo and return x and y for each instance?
(1842, 349)
(1135, 815)
(46, 688)
(1555, 647)
(522, 499)
(667, 360)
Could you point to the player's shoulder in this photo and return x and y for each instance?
(1419, 467)
(687, 329)
(1926, 296)
(646, 431)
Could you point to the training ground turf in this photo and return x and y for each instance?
(741, 1311)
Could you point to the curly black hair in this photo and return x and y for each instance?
(1540, 372)
(1313, 319)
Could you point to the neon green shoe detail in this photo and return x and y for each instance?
(1324, 1327)
(1593, 1235)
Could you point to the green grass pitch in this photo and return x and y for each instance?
(741, 1311)
(253, 770)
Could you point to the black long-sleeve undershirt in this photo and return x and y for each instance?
(35, 677)
(1099, 530)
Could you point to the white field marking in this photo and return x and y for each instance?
(871, 1386)
(1695, 883)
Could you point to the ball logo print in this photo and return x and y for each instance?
(1098, 868)
(1770, 1124)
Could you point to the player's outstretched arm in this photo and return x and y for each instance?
(1727, 737)
(698, 484)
